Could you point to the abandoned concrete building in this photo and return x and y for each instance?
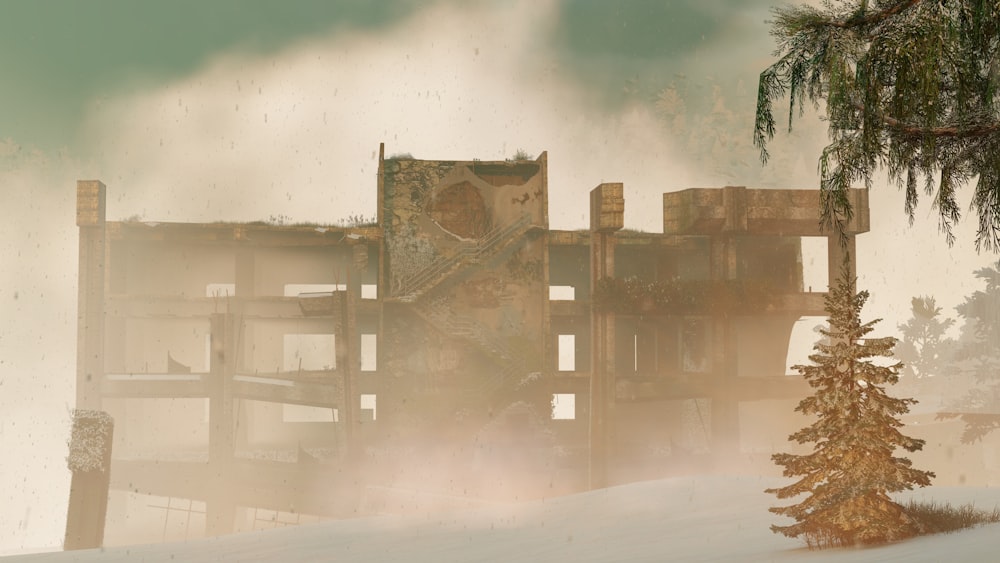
(455, 350)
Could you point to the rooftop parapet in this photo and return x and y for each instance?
(90, 203)
(736, 209)
(607, 207)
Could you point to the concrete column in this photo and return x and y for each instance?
(602, 392)
(348, 350)
(90, 218)
(725, 421)
(607, 206)
(725, 363)
(90, 461)
(221, 506)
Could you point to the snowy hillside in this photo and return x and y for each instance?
(683, 519)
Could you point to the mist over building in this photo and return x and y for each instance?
(451, 350)
(276, 113)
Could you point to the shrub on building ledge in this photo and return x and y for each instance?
(636, 297)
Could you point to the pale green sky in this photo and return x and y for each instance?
(59, 56)
(196, 110)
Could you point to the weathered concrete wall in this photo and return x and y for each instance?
(440, 209)
(434, 205)
(738, 209)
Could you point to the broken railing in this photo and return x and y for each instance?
(467, 252)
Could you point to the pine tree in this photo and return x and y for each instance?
(851, 472)
(924, 348)
(979, 355)
(926, 351)
(909, 87)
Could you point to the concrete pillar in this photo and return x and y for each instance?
(90, 462)
(220, 505)
(725, 421)
(725, 344)
(90, 218)
(607, 207)
(348, 350)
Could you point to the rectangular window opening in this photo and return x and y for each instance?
(562, 293)
(369, 291)
(368, 408)
(563, 406)
(567, 352)
(369, 352)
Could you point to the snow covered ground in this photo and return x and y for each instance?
(681, 519)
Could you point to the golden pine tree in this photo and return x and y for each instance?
(849, 475)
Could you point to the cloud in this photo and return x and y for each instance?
(37, 336)
(296, 134)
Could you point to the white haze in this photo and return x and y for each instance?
(682, 519)
(295, 134)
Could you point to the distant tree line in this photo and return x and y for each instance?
(964, 371)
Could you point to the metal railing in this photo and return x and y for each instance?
(468, 252)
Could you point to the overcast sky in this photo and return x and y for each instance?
(241, 110)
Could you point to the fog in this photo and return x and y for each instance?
(292, 135)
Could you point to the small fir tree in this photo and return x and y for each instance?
(851, 472)
(927, 353)
(979, 355)
(925, 349)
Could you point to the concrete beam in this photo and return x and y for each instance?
(730, 389)
(736, 209)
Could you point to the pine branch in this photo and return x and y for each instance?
(957, 130)
(862, 19)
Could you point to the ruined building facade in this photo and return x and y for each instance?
(453, 351)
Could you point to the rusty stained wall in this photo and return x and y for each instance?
(434, 205)
(434, 210)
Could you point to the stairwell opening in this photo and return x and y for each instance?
(567, 352)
